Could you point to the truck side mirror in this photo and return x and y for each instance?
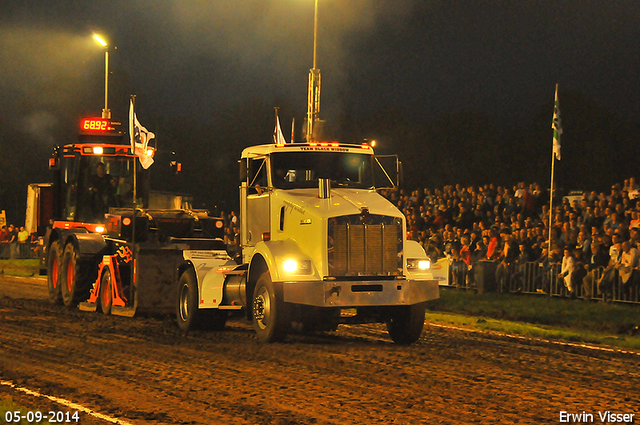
(384, 175)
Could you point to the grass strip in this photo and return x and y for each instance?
(28, 267)
(540, 317)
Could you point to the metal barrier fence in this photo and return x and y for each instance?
(533, 278)
(19, 250)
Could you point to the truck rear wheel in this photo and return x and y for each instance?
(75, 277)
(187, 306)
(188, 313)
(405, 323)
(54, 259)
(106, 292)
(269, 311)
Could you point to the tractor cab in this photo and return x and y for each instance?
(96, 174)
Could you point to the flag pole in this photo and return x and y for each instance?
(553, 161)
(555, 154)
(132, 116)
(275, 131)
(293, 124)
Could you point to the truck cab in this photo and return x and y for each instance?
(318, 239)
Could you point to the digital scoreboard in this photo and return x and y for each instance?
(95, 125)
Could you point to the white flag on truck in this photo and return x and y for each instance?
(140, 137)
(278, 137)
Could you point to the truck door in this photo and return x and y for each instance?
(257, 220)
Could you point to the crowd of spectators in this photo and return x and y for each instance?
(590, 233)
(14, 242)
(510, 226)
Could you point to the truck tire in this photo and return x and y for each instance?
(269, 311)
(187, 302)
(189, 315)
(405, 323)
(76, 274)
(54, 260)
(106, 291)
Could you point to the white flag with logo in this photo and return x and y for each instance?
(140, 137)
(278, 137)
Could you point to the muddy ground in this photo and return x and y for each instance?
(145, 371)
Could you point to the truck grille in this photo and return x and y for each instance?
(373, 248)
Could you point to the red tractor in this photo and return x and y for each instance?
(106, 248)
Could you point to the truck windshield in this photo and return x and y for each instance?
(303, 169)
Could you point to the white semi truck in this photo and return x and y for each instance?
(319, 246)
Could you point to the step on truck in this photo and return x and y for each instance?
(319, 247)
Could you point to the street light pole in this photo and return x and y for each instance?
(106, 113)
(313, 102)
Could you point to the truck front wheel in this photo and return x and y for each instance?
(269, 311)
(405, 323)
(54, 259)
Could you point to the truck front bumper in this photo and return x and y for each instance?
(360, 293)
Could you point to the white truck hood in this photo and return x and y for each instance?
(341, 202)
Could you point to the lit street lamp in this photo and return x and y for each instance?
(106, 113)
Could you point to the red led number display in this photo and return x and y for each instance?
(94, 124)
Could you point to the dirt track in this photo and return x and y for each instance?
(144, 371)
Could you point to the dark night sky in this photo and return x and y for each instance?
(462, 90)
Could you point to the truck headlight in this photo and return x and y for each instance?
(297, 267)
(416, 264)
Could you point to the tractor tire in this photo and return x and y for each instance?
(405, 323)
(106, 292)
(54, 263)
(77, 275)
(269, 311)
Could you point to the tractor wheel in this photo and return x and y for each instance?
(106, 291)
(269, 311)
(405, 323)
(54, 259)
(75, 276)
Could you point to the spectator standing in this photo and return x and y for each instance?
(628, 262)
(23, 243)
(12, 240)
(598, 259)
(4, 242)
(610, 274)
(568, 264)
(234, 219)
(507, 257)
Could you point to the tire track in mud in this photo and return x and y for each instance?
(145, 371)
